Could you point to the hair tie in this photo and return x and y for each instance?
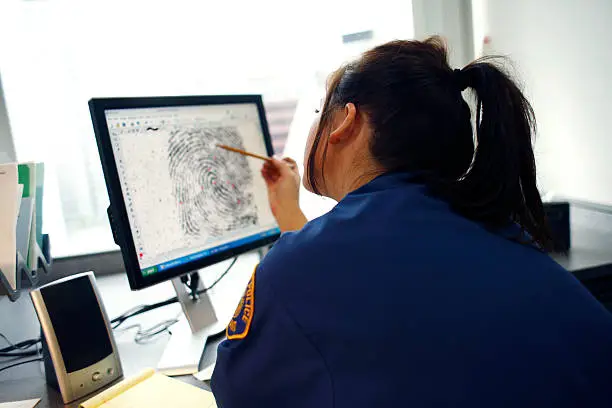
(460, 79)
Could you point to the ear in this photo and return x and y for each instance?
(345, 130)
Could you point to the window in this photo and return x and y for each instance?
(56, 55)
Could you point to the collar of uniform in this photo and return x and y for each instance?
(391, 180)
(386, 181)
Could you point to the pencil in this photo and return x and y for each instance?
(243, 152)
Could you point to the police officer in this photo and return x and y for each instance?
(428, 284)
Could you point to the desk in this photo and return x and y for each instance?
(593, 269)
(18, 321)
(590, 256)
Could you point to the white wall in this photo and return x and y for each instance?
(452, 20)
(562, 49)
(7, 149)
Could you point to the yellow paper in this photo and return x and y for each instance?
(117, 389)
(151, 390)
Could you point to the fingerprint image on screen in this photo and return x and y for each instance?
(211, 185)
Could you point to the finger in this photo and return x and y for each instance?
(275, 169)
(291, 163)
(282, 166)
(266, 172)
(271, 169)
(267, 164)
(269, 180)
(270, 176)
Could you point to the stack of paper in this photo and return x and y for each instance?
(10, 200)
(152, 390)
(21, 191)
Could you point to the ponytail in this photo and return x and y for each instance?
(501, 182)
(422, 124)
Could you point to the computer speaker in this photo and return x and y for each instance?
(558, 218)
(79, 351)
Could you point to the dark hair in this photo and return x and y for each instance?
(422, 124)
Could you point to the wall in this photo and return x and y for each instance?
(7, 149)
(451, 19)
(561, 49)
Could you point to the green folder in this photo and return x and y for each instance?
(24, 178)
(27, 176)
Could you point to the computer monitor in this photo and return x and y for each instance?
(178, 202)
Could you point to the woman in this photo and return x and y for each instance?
(428, 284)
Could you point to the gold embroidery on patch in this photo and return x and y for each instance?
(243, 316)
(232, 325)
(239, 308)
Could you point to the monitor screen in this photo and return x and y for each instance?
(186, 199)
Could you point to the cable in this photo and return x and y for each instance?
(142, 336)
(20, 363)
(219, 278)
(22, 345)
(135, 311)
(20, 354)
(18, 346)
(7, 340)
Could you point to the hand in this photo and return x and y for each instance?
(283, 181)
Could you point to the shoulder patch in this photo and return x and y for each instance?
(239, 326)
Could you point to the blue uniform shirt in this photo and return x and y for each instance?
(392, 299)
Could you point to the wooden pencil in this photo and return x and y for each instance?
(243, 152)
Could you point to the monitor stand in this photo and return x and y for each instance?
(206, 315)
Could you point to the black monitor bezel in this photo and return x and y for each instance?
(121, 226)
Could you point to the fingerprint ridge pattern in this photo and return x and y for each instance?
(212, 186)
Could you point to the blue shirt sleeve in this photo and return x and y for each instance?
(268, 361)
